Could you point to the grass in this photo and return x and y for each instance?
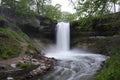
(12, 34)
(111, 69)
(9, 46)
(25, 65)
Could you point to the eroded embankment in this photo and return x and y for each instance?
(18, 55)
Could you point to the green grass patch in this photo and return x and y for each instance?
(25, 65)
(9, 49)
(17, 35)
(11, 34)
(111, 70)
(9, 46)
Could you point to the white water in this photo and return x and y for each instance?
(71, 64)
(63, 36)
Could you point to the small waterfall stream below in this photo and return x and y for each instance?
(71, 64)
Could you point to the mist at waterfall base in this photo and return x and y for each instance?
(72, 64)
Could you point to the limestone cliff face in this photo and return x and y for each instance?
(106, 25)
(33, 25)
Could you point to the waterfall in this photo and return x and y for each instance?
(74, 64)
(63, 36)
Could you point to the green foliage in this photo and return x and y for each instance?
(85, 24)
(106, 23)
(5, 56)
(25, 65)
(40, 5)
(2, 18)
(36, 7)
(111, 69)
(95, 15)
(9, 47)
(52, 12)
(69, 17)
(8, 3)
(18, 36)
(23, 6)
(20, 6)
(86, 8)
(9, 51)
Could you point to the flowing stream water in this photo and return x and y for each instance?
(72, 64)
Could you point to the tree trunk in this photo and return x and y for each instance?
(114, 8)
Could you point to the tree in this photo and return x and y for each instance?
(87, 8)
(24, 6)
(9, 3)
(21, 6)
(66, 16)
(114, 2)
(40, 4)
(53, 12)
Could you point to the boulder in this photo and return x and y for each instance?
(13, 65)
(10, 78)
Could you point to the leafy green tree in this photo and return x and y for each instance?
(41, 7)
(21, 6)
(8, 3)
(53, 12)
(24, 6)
(87, 8)
(66, 16)
(40, 4)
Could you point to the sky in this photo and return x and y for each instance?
(65, 5)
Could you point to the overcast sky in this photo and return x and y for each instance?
(65, 5)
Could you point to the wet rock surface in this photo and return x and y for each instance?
(41, 66)
(44, 64)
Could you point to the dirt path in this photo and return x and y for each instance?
(16, 59)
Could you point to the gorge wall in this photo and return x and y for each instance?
(31, 24)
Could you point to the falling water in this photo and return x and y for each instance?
(63, 36)
(71, 64)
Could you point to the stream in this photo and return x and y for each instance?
(73, 64)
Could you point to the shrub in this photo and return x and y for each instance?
(25, 65)
(111, 69)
